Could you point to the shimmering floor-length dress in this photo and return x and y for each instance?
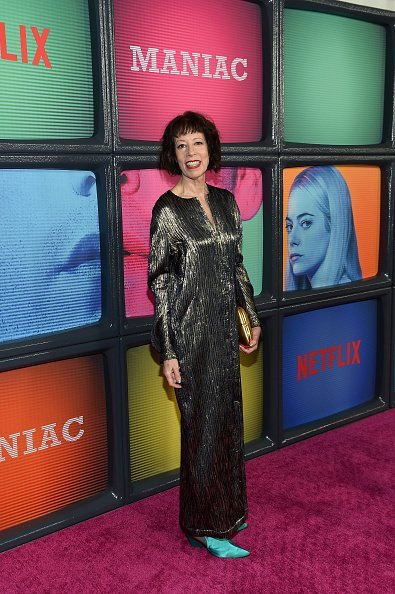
(197, 275)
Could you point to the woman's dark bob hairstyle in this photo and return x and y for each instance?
(190, 121)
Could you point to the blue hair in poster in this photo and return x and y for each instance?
(329, 361)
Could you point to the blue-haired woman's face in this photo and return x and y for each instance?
(308, 234)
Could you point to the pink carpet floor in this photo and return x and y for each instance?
(321, 521)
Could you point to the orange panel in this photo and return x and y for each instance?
(364, 184)
(53, 437)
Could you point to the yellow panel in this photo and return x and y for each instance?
(153, 416)
(252, 385)
(154, 422)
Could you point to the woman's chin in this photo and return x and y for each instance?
(298, 270)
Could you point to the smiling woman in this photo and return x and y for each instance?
(322, 244)
(50, 268)
(198, 278)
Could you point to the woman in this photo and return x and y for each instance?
(322, 245)
(197, 275)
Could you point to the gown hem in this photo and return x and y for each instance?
(215, 533)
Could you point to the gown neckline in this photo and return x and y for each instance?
(212, 227)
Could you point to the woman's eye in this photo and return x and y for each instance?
(288, 227)
(306, 224)
(180, 146)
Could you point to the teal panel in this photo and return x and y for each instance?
(334, 70)
(253, 249)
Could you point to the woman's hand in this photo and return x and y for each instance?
(256, 333)
(171, 371)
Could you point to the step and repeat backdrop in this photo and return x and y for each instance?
(302, 92)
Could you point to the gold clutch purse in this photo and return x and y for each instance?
(243, 326)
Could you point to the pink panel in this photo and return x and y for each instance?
(154, 85)
(140, 189)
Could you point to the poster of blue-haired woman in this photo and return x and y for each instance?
(331, 225)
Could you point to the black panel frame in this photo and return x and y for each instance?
(114, 335)
(374, 15)
(108, 326)
(113, 496)
(380, 403)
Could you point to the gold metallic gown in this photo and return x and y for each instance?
(197, 275)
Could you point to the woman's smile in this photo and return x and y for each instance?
(192, 154)
(193, 164)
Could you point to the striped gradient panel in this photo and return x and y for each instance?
(252, 249)
(45, 469)
(154, 418)
(334, 71)
(46, 89)
(149, 96)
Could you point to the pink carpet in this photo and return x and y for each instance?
(321, 520)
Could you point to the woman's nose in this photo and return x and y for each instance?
(294, 237)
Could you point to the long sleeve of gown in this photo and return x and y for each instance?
(158, 280)
(242, 279)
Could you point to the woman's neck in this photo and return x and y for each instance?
(191, 188)
(320, 279)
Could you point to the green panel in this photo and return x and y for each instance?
(334, 70)
(54, 98)
(253, 249)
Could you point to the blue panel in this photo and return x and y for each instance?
(50, 268)
(329, 361)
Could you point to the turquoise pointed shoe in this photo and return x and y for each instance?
(220, 547)
(242, 527)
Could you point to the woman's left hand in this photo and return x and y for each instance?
(256, 333)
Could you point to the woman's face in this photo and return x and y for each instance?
(308, 236)
(192, 154)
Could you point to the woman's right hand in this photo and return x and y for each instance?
(171, 371)
(256, 334)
